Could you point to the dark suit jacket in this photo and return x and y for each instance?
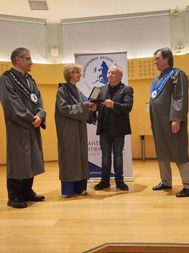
(123, 102)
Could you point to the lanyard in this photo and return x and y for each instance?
(32, 96)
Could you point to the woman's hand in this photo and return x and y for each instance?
(93, 106)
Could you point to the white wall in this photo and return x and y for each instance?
(18, 32)
(139, 35)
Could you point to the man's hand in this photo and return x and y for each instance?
(175, 127)
(37, 121)
(108, 103)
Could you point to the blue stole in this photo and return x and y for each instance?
(155, 91)
(70, 93)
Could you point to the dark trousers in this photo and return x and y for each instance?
(108, 145)
(19, 188)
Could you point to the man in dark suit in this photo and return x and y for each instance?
(113, 125)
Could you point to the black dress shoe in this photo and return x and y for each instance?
(161, 186)
(102, 185)
(34, 197)
(17, 203)
(183, 193)
(122, 186)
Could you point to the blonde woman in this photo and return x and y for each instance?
(71, 115)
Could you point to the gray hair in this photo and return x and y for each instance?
(20, 52)
(117, 67)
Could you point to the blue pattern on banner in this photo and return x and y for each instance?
(95, 171)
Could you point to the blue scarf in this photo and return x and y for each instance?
(155, 91)
(70, 93)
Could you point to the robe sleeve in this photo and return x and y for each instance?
(78, 111)
(39, 107)
(179, 97)
(12, 104)
(41, 113)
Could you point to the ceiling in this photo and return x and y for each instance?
(69, 9)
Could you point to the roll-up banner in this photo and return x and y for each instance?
(94, 74)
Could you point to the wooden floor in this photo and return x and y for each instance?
(79, 224)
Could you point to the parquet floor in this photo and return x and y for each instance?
(75, 225)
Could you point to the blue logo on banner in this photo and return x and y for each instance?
(101, 73)
(95, 71)
(95, 171)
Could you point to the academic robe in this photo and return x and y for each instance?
(71, 115)
(171, 105)
(24, 145)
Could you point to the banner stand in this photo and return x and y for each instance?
(95, 68)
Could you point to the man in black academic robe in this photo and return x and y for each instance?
(24, 115)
